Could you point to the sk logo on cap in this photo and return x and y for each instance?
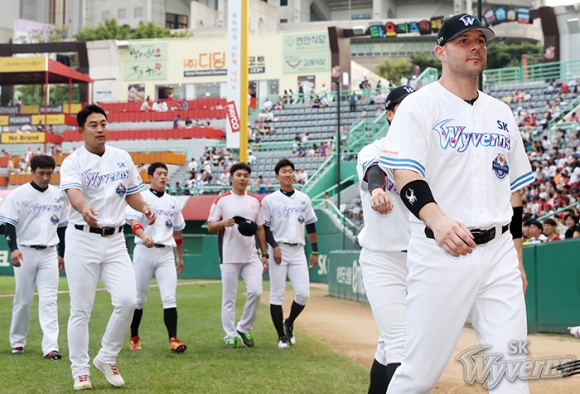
(467, 20)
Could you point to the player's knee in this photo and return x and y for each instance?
(125, 303)
(255, 292)
(302, 296)
(169, 302)
(140, 303)
(276, 297)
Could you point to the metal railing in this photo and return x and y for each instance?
(323, 167)
(558, 211)
(351, 228)
(563, 71)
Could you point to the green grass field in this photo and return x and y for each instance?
(311, 366)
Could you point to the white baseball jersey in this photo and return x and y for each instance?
(286, 216)
(104, 180)
(235, 247)
(472, 156)
(381, 233)
(169, 218)
(35, 214)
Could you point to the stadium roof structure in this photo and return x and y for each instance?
(38, 71)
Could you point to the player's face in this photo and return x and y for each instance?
(240, 180)
(42, 176)
(464, 56)
(95, 133)
(159, 179)
(286, 177)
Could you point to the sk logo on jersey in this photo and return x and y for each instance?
(500, 166)
(301, 219)
(121, 190)
(54, 219)
(168, 224)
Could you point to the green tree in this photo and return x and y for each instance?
(503, 55)
(111, 30)
(424, 60)
(392, 69)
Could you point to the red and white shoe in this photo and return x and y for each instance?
(176, 346)
(83, 382)
(110, 371)
(18, 350)
(135, 343)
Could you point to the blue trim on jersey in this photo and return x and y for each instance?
(63, 224)
(8, 220)
(135, 189)
(179, 228)
(368, 163)
(403, 163)
(313, 220)
(522, 180)
(138, 218)
(72, 185)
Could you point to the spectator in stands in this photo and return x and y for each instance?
(291, 96)
(297, 137)
(39, 126)
(266, 129)
(163, 107)
(404, 80)
(207, 171)
(378, 111)
(19, 101)
(184, 105)
(363, 114)
(352, 102)
(145, 106)
(312, 151)
(305, 137)
(300, 151)
(50, 129)
(224, 178)
(300, 93)
(527, 96)
(10, 104)
(188, 122)
(572, 228)
(267, 105)
(546, 143)
(536, 229)
(550, 230)
(324, 102)
(322, 150)
(11, 169)
(192, 168)
(365, 86)
(301, 177)
(251, 158)
(26, 128)
(176, 121)
(549, 88)
(266, 116)
(279, 105)
(316, 102)
(177, 190)
(574, 117)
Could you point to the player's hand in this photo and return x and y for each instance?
(148, 241)
(179, 266)
(453, 237)
(313, 260)
(265, 264)
(16, 257)
(228, 222)
(90, 216)
(149, 214)
(381, 201)
(277, 255)
(60, 263)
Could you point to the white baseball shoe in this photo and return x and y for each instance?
(110, 371)
(83, 382)
(575, 331)
(283, 343)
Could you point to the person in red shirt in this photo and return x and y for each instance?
(550, 230)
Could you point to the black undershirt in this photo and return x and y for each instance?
(40, 189)
(472, 101)
(157, 193)
(287, 194)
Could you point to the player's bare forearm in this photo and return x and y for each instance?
(261, 237)
(214, 227)
(137, 202)
(76, 198)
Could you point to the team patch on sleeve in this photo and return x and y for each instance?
(500, 166)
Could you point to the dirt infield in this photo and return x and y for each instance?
(349, 327)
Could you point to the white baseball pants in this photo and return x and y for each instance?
(442, 292)
(89, 257)
(251, 273)
(385, 280)
(161, 263)
(294, 266)
(40, 267)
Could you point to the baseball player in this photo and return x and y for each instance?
(286, 212)
(236, 216)
(99, 180)
(459, 164)
(383, 258)
(153, 254)
(35, 222)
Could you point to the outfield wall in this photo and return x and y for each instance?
(552, 269)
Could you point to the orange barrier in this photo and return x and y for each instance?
(167, 157)
(153, 134)
(21, 179)
(3, 181)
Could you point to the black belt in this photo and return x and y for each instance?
(38, 247)
(103, 231)
(480, 237)
(286, 243)
(160, 246)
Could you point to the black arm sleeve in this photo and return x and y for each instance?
(60, 231)
(270, 237)
(375, 178)
(311, 228)
(10, 233)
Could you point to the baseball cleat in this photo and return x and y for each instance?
(289, 331)
(283, 343)
(176, 346)
(110, 371)
(246, 338)
(573, 330)
(83, 382)
(135, 343)
(232, 343)
(18, 350)
(54, 355)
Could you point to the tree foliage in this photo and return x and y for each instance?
(393, 69)
(48, 34)
(110, 29)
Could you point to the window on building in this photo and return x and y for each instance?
(175, 21)
(138, 12)
(283, 3)
(106, 15)
(284, 20)
(122, 14)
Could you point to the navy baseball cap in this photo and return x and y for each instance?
(456, 25)
(246, 227)
(396, 95)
